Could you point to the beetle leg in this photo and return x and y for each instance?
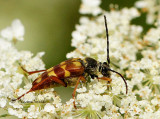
(22, 95)
(74, 91)
(38, 85)
(48, 80)
(57, 80)
(32, 72)
(105, 78)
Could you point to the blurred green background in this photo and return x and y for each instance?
(48, 27)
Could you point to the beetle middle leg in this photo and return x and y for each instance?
(32, 72)
(74, 92)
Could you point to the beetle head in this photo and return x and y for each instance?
(103, 68)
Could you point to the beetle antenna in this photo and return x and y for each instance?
(121, 77)
(108, 59)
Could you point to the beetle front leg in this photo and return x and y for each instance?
(74, 92)
(105, 78)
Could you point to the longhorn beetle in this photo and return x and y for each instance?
(72, 71)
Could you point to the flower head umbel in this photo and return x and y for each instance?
(133, 52)
(152, 9)
(90, 7)
(14, 32)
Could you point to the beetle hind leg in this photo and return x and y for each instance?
(22, 95)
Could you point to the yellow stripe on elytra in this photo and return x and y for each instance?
(62, 63)
(50, 69)
(77, 64)
(38, 80)
(63, 67)
(51, 73)
(75, 59)
(66, 73)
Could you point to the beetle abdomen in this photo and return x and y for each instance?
(65, 70)
(68, 69)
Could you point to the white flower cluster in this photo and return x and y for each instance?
(133, 53)
(13, 80)
(14, 32)
(152, 9)
(90, 7)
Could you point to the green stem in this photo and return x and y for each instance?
(5, 115)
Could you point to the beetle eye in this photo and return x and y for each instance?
(105, 71)
(105, 63)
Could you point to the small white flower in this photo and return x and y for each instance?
(145, 92)
(141, 4)
(49, 95)
(33, 111)
(99, 87)
(11, 111)
(49, 108)
(15, 31)
(155, 101)
(3, 102)
(152, 9)
(145, 63)
(153, 35)
(81, 90)
(137, 78)
(16, 104)
(135, 66)
(40, 97)
(28, 97)
(90, 7)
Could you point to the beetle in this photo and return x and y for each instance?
(72, 71)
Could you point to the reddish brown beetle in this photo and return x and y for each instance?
(72, 71)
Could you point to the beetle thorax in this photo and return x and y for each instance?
(95, 68)
(91, 65)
